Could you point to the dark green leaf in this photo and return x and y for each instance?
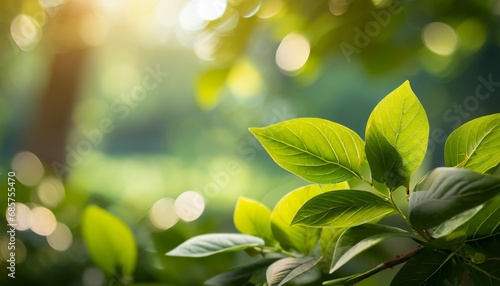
(426, 267)
(452, 241)
(109, 241)
(396, 137)
(342, 208)
(315, 149)
(485, 274)
(475, 145)
(286, 269)
(241, 275)
(447, 192)
(357, 239)
(208, 244)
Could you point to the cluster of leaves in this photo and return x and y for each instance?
(453, 211)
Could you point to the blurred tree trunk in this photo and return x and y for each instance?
(52, 120)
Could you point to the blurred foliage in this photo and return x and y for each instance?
(190, 130)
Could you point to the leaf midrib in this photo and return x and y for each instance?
(478, 144)
(313, 155)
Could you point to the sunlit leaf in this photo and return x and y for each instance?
(342, 208)
(254, 218)
(208, 244)
(475, 145)
(426, 267)
(315, 149)
(301, 238)
(398, 121)
(486, 222)
(327, 241)
(286, 269)
(447, 192)
(357, 239)
(109, 241)
(242, 275)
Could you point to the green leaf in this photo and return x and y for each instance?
(426, 267)
(357, 239)
(301, 238)
(252, 217)
(398, 121)
(344, 281)
(342, 208)
(486, 274)
(208, 244)
(327, 243)
(475, 145)
(450, 225)
(314, 149)
(485, 222)
(447, 192)
(452, 241)
(109, 241)
(484, 265)
(286, 269)
(242, 275)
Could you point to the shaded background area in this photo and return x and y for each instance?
(142, 106)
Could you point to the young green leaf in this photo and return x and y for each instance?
(427, 267)
(475, 145)
(447, 192)
(357, 239)
(242, 275)
(398, 121)
(208, 244)
(109, 241)
(254, 218)
(327, 243)
(484, 261)
(485, 223)
(301, 238)
(342, 208)
(314, 149)
(286, 269)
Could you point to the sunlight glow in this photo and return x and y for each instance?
(440, 38)
(189, 19)
(211, 9)
(338, 7)
(292, 53)
(270, 8)
(43, 221)
(61, 238)
(28, 168)
(50, 192)
(93, 30)
(25, 32)
(189, 205)
(22, 217)
(163, 214)
(248, 8)
(244, 80)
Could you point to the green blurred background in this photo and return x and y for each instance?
(132, 104)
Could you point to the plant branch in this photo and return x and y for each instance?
(384, 265)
